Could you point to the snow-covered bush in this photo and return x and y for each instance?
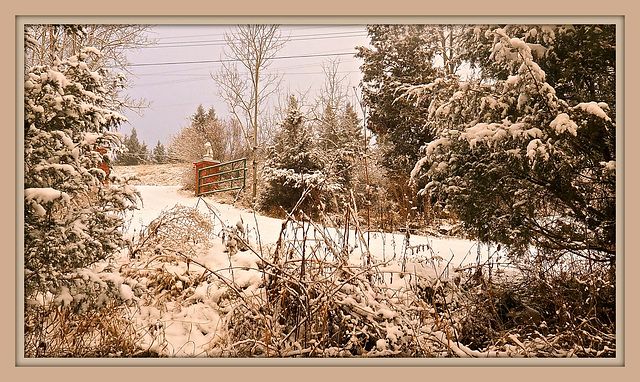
(180, 229)
(196, 287)
(88, 317)
(97, 333)
(560, 313)
(318, 305)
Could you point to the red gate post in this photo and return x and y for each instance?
(202, 185)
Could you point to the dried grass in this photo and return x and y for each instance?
(313, 302)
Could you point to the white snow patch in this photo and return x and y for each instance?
(609, 166)
(63, 297)
(564, 123)
(45, 195)
(126, 293)
(593, 108)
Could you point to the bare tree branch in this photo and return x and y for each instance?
(246, 91)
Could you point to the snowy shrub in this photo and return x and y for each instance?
(160, 255)
(553, 315)
(180, 229)
(88, 317)
(61, 332)
(315, 291)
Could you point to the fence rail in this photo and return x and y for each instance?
(222, 177)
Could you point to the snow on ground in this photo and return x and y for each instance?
(192, 330)
(382, 246)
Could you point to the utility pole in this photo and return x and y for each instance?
(255, 135)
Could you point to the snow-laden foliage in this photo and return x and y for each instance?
(292, 165)
(520, 162)
(178, 230)
(341, 149)
(73, 210)
(200, 286)
(323, 292)
(399, 60)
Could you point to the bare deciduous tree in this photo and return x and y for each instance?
(333, 93)
(246, 90)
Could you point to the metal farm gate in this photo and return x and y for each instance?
(221, 177)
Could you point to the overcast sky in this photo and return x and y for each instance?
(175, 74)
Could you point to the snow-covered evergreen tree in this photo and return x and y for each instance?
(527, 158)
(292, 164)
(73, 211)
(399, 58)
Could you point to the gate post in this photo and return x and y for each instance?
(202, 185)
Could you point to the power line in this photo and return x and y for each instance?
(235, 60)
(183, 72)
(199, 78)
(289, 28)
(200, 43)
